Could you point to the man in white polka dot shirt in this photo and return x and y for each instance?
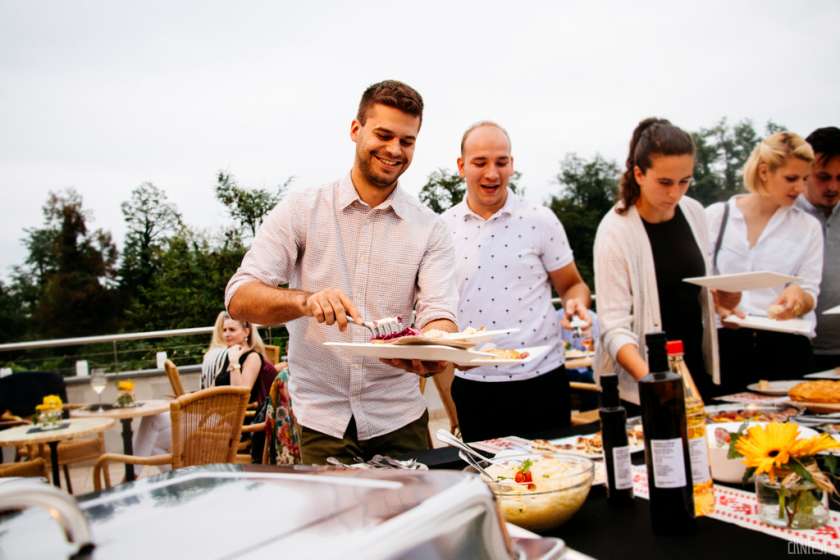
(508, 254)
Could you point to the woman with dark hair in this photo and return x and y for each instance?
(763, 230)
(652, 239)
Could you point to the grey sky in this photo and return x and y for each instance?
(102, 96)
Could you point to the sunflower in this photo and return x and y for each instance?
(813, 445)
(767, 448)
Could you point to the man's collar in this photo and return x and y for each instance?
(508, 209)
(347, 195)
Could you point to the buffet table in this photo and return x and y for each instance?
(602, 531)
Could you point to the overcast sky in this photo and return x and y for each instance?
(102, 96)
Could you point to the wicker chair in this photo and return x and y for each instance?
(36, 467)
(206, 426)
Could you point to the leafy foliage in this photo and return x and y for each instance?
(248, 206)
(587, 192)
(444, 189)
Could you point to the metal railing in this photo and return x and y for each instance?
(139, 350)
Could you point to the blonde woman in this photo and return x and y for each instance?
(236, 356)
(763, 231)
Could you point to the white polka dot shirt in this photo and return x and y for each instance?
(501, 267)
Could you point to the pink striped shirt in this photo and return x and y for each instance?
(388, 260)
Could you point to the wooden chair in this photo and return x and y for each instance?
(272, 353)
(206, 426)
(586, 416)
(35, 467)
(174, 378)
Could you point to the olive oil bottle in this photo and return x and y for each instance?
(667, 456)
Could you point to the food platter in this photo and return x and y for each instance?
(739, 412)
(776, 388)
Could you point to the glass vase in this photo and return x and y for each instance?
(49, 419)
(799, 506)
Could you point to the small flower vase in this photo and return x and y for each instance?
(799, 506)
(49, 419)
(124, 399)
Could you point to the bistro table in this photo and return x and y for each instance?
(75, 427)
(603, 531)
(125, 415)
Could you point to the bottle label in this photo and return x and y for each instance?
(668, 463)
(698, 451)
(622, 468)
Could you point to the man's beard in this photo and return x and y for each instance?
(378, 181)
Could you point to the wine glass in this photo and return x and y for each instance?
(98, 382)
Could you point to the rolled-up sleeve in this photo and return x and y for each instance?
(437, 294)
(272, 254)
(615, 298)
(812, 265)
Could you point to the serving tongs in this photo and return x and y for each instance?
(470, 455)
(384, 327)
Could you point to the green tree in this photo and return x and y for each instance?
(13, 321)
(150, 219)
(248, 206)
(70, 271)
(444, 189)
(188, 289)
(587, 192)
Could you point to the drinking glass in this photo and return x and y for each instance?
(98, 382)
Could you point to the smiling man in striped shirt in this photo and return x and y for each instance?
(359, 247)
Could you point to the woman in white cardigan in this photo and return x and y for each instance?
(652, 239)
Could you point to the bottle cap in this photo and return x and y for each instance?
(674, 347)
(657, 358)
(609, 390)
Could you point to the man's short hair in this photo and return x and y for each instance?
(826, 143)
(481, 124)
(391, 93)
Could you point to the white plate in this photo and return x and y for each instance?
(434, 353)
(534, 353)
(481, 336)
(791, 326)
(778, 388)
(827, 374)
(833, 311)
(575, 354)
(742, 281)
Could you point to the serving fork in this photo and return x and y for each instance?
(385, 326)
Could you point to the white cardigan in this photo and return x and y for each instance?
(628, 301)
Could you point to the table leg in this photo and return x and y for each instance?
(54, 461)
(128, 448)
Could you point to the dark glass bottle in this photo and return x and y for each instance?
(614, 438)
(666, 443)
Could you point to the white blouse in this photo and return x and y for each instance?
(791, 243)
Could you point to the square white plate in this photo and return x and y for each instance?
(742, 281)
(791, 326)
(833, 311)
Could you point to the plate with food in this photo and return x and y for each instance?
(508, 356)
(467, 338)
(590, 445)
(817, 396)
(575, 354)
(440, 353)
(716, 414)
(776, 388)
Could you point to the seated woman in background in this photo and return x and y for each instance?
(764, 231)
(644, 247)
(236, 356)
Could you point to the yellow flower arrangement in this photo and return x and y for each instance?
(50, 402)
(791, 487)
(126, 390)
(126, 385)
